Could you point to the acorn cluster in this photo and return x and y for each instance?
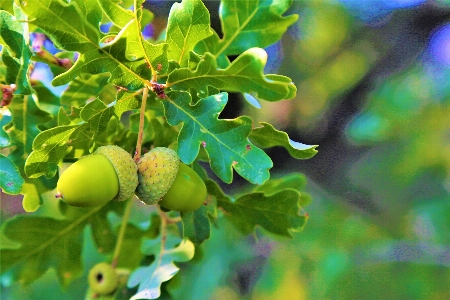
(110, 173)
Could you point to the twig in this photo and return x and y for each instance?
(137, 154)
(47, 57)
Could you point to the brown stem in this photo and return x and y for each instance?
(47, 57)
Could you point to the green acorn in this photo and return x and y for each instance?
(165, 180)
(103, 279)
(157, 170)
(108, 174)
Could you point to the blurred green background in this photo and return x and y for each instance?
(373, 80)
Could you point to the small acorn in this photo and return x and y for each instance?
(165, 180)
(103, 279)
(108, 174)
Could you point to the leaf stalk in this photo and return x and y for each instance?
(137, 154)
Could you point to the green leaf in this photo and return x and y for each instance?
(90, 11)
(162, 268)
(45, 243)
(155, 56)
(116, 13)
(130, 254)
(97, 115)
(138, 228)
(33, 190)
(49, 148)
(296, 181)
(215, 191)
(16, 56)
(125, 102)
(83, 88)
(63, 117)
(10, 180)
(225, 141)
(187, 25)
(4, 138)
(128, 73)
(196, 225)
(252, 23)
(51, 145)
(48, 102)
(26, 117)
(212, 45)
(267, 136)
(66, 24)
(278, 212)
(103, 233)
(70, 29)
(163, 133)
(50, 243)
(245, 75)
(7, 5)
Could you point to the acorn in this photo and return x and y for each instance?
(108, 174)
(103, 279)
(163, 179)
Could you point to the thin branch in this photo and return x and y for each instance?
(42, 54)
(137, 154)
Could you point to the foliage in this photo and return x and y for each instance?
(124, 88)
(372, 89)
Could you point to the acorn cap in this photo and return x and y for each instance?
(157, 171)
(125, 168)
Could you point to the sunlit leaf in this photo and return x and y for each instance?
(70, 29)
(151, 277)
(7, 5)
(126, 101)
(26, 117)
(155, 56)
(48, 102)
(225, 141)
(252, 23)
(50, 146)
(187, 25)
(244, 74)
(116, 13)
(211, 44)
(267, 136)
(83, 88)
(16, 55)
(90, 11)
